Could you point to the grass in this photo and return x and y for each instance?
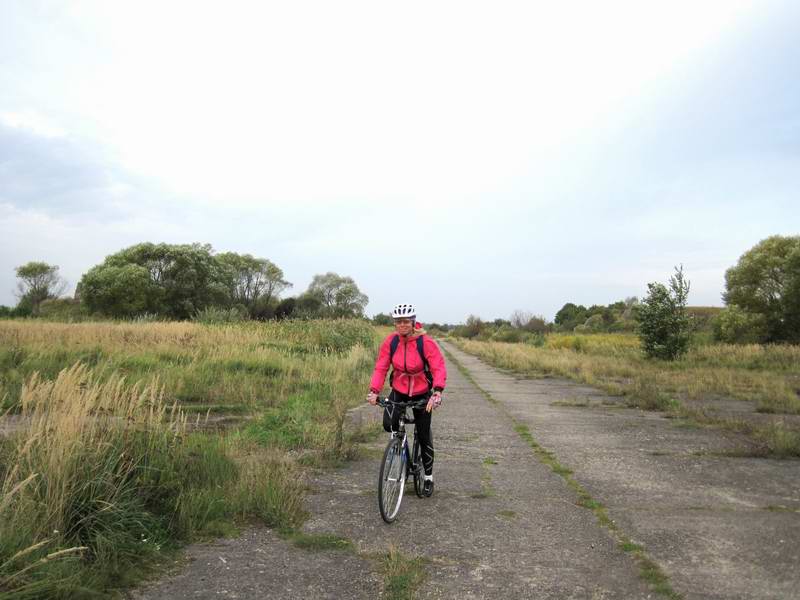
(403, 575)
(250, 365)
(781, 508)
(317, 542)
(487, 489)
(571, 403)
(106, 477)
(648, 569)
(768, 376)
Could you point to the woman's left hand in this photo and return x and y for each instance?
(434, 402)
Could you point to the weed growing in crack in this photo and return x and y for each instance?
(402, 575)
(316, 542)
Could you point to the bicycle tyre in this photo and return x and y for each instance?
(391, 480)
(417, 468)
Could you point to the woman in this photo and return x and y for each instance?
(414, 378)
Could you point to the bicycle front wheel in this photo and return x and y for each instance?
(391, 480)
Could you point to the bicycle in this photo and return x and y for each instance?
(396, 465)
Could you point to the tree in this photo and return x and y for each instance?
(285, 308)
(339, 296)
(766, 283)
(473, 326)
(38, 282)
(520, 318)
(593, 324)
(527, 321)
(121, 291)
(382, 319)
(570, 316)
(663, 323)
(308, 306)
(251, 280)
(631, 307)
(735, 326)
(173, 280)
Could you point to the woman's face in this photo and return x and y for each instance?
(403, 326)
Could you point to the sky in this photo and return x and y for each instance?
(467, 157)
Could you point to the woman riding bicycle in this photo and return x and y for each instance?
(414, 378)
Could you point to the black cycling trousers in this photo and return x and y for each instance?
(422, 420)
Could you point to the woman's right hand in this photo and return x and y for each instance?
(372, 398)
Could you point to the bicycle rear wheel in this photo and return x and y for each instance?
(416, 465)
(391, 480)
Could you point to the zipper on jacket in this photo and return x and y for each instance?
(405, 366)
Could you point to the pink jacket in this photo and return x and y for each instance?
(409, 370)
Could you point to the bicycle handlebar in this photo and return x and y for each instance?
(413, 404)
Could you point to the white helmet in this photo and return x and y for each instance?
(404, 311)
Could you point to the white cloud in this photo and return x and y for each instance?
(472, 158)
(74, 244)
(260, 103)
(31, 121)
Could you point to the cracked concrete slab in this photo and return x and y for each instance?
(721, 527)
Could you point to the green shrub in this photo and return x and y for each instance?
(664, 326)
(593, 324)
(215, 315)
(734, 325)
(67, 310)
(506, 333)
(383, 320)
(471, 329)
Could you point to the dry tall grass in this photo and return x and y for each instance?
(67, 485)
(233, 368)
(768, 376)
(105, 474)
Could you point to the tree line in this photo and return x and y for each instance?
(762, 305)
(182, 281)
(762, 296)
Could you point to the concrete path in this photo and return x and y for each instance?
(502, 524)
(719, 526)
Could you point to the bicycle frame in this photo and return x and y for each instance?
(403, 418)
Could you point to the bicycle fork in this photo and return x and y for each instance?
(401, 459)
